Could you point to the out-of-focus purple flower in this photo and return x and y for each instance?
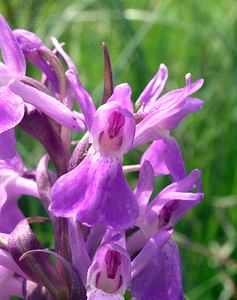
(13, 92)
(109, 274)
(104, 195)
(12, 186)
(10, 284)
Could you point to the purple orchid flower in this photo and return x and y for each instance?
(12, 186)
(155, 218)
(110, 272)
(13, 92)
(104, 195)
(160, 115)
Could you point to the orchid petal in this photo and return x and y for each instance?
(49, 105)
(145, 184)
(172, 203)
(28, 41)
(122, 94)
(11, 109)
(83, 98)
(11, 51)
(7, 144)
(165, 158)
(154, 244)
(80, 259)
(191, 105)
(154, 88)
(161, 278)
(97, 192)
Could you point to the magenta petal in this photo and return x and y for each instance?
(174, 201)
(86, 104)
(165, 158)
(7, 144)
(145, 256)
(49, 105)
(11, 109)
(10, 215)
(156, 154)
(161, 279)
(11, 51)
(145, 184)
(191, 105)
(80, 259)
(97, 192)
(175, 97)
(27, 40)
(122, 94)
(154, 88)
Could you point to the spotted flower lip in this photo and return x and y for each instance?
(104, 195)
(109, 274)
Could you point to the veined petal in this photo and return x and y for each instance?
(122, 94)
(7, 144)
(161, 278)
(86, 104)
(165, 158)
(11, 109)
(49, 105)
(97, 192)
(11, 51)
(154, 88)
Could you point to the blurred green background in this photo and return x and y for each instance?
(199, 37)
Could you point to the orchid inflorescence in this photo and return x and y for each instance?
(109, 240)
